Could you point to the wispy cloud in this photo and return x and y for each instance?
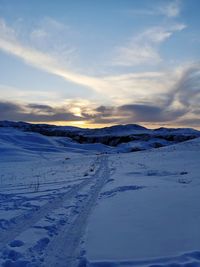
(133, 97)
(170, 9)
(179, 105)
(9, 43)
(54, 37)
(143, 48)
(116, 87)
(26, 94)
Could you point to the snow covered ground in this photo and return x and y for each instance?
(67, 204)
(149, 213)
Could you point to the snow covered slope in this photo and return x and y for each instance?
(64, 204)
(148, 213)
(19, 145)
(124, 138)
(42, 183)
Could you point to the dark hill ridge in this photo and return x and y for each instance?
(117, 135)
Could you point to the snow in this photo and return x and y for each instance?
(150, 209)
(68, 204)
(121, 138)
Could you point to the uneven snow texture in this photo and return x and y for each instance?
(149, 213)
(63, 204)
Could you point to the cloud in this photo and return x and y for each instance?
(104, 111)
(35, 113)
(187, 88)
(135, 113)
(9, 108)
(189, 122)
(186, 95)
(163, 96)
(113, 86)
(178, 106)
(27, 94)
(55, 38)
(134, 54)
(150, 113)
(9, 43)
(143, 48)
(40, 109)
(114, 89)
(171, 9)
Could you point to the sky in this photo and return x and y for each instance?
(97, 63)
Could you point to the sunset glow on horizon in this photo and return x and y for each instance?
(97, 63)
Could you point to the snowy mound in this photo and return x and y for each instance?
(16, 144)
(118, 130)
(19, 145)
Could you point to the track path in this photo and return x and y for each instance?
(64, 249)
(25, 221)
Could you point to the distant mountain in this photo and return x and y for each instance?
(130, 137)
(117, 130)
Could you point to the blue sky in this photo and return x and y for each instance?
(94, 63)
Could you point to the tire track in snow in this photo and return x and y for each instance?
(25, 221)
(64, 249)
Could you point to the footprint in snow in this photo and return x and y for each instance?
(16, 243)
(120, 189)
